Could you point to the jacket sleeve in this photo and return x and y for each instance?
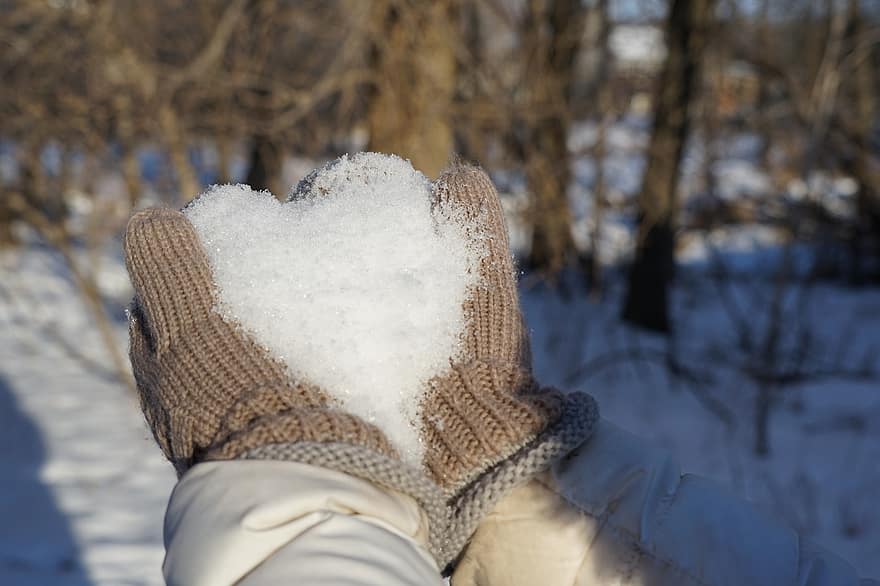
(618, 511)
(261, 522)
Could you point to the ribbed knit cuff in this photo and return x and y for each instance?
(479, 414)
(578, 417)
(294, 425)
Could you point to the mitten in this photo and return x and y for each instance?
(488, 426)
(208, 392)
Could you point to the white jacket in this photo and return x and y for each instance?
(616, 511)
(260, 523)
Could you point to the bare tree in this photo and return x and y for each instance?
(552, 41)
(602, 96)
(413, 54)
(862, 88)
(95, 81)
(651, 274)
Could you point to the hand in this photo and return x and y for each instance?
(208, 391)
(487, 425)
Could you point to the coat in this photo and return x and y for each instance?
(262, 522)
(616, 511)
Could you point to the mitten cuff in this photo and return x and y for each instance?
(578, 416)
(322, 425)
(479, 414)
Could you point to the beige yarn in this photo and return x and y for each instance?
(487, 407)
(210, 393)
(488, 426)
(207, 391)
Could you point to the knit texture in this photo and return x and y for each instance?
(578, 416)
(207, 390)
(487, 425)
(487, 407)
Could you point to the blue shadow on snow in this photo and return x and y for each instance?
(37, 546)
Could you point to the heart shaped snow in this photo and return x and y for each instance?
(355, 284)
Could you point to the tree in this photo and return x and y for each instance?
(553, 31)
(862, 85)
(413, 56)
(601, 96)
(652, 271)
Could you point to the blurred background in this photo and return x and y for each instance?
(692, 188)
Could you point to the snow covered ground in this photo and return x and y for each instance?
(820, 475)
(85, 487)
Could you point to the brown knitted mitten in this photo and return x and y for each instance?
(487, 425)
(208, 392)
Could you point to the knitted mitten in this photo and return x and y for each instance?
(487, 426)
(208, 392)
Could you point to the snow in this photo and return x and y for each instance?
(354, 283)
(639, 46)
(819, 476)
(85, 486)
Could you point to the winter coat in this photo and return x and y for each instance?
(261, 522)
(618, 511)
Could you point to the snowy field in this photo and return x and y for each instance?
(86, 487)
(821, 473)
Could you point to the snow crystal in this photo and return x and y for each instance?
(356, 283)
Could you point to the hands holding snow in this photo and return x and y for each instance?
(370, 324)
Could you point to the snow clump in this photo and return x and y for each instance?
(355, 283)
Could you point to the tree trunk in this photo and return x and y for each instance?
(472, 138)
(553, 31)
(601, 95)
(187, 183)
(413, 57)
(125, 135)
(764, 125)
(652, 271)
(131, 173)
(7, 218)
(264, 167)
(866, 235)
(548, 175)
(224, 158)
